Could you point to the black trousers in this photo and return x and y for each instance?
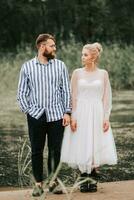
(38, 130)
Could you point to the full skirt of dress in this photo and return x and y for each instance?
(88, 147)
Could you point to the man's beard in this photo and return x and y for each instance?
(49, 55)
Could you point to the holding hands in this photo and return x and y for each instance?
(66, 120)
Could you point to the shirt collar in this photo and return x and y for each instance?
(38, 62)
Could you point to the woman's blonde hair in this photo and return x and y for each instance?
(95, 49)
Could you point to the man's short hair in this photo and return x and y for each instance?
(43, 38)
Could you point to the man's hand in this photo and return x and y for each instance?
(66, 120)
(73, 125)
(106, 125)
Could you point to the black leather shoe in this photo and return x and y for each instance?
(92, 187)
(84, 187)
(92, 184)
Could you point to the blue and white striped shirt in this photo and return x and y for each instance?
(44, 88)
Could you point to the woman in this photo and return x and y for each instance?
(88, 143)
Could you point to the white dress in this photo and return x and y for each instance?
(89, 147)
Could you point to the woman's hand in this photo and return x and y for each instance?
(106, 125)
(73, 125)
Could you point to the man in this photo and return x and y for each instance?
(44, 96)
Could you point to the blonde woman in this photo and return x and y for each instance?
(88, 143)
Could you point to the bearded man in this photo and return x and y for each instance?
(44, 96)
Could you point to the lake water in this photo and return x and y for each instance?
(122, 121)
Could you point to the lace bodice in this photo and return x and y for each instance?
(91, 86)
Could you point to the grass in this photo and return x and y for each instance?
(24, 161)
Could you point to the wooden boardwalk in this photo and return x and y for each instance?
(123, 190)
